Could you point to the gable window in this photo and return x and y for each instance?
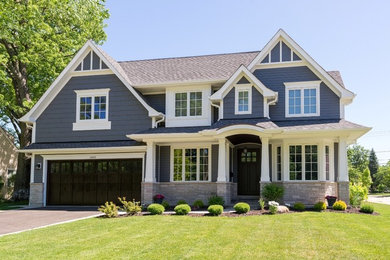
(243, 100)
(302, 99)
(188, 104)
(191, 164)
(303, 162)
(92, 110)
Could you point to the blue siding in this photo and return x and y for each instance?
(257, 105)
(274, 79)
(165, 160)
(214, 162)
(126, 113)
(243, 80)
(156, 101)
(38, 174)
(286, 52)
(275, 53)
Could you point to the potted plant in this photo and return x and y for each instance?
(158, 198)
(331, 200)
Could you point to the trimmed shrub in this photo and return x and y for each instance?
(242, 207)
(367, 209)
(216, 200)
(339, 205)
(273, 207)
(165, 204)
(182, 209)
(273, 192)
(357, 194)
(109, 209)
(261, 203)
(198, 204)
(156, 209)
(215, 210)
(180, 202)
(320, 206)
(299, 206)
(131, 207)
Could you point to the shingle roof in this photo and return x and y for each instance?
(336, 75)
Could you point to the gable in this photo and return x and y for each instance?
(90, 62)
(280, 53)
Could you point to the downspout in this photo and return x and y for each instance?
(159, 121)
(217, 106)
(272, 102)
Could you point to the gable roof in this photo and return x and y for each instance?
(240, 72)
(64, 77)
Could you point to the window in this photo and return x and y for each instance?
(302, 98)
(243, 100)
(191, 101)
(191, 164)
(303, 162)
(248, 156)
(327, 165)
(279, 163)
(92, 110)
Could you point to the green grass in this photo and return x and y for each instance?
(7, 205)
(304, 235)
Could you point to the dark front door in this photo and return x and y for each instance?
(248, 171)
(93, 182)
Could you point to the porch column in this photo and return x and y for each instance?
(321, 161)
(343, 179)
(150, 175)
(223, 161)
(264, 160)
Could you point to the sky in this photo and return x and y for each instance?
(350, 36)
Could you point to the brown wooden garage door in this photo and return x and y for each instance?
(93, 182)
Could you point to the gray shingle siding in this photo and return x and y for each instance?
(257, 105)
(38, 174)
(156, 101)
(214, 162)
(126, 113)
(274, 79)
(165, 160)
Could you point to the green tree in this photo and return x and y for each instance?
(373, 165)
(37, 40)
(358, 157)
(382, 178)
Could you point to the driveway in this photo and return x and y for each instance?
(383, 199)
(13, 221)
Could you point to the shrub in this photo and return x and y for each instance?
(109, 209)
(198, 204)
(273, 192)
(131, 207)
(320, 206)
(165, 204)
(299, 206)
(156, 209)
(242, 207)
(215, 210)
(273, 207)
(367, 209)
(182, 209)
(216, 200)
(357, 194)
(339, 205)
(180, 202)
(261, 203)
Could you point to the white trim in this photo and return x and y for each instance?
(150, 168)
(242, 88)
(91, 72)
(302, 86)
(92, 124)
(33, 132)
(86, 150)
(190, 146)
(264, 160)
(282, 35)
(32, 168)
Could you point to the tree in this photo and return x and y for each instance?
(373, 165)
(358, 157)
(37, 40)
(382, 178)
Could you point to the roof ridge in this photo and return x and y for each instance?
(187, 57)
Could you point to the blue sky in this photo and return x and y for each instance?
(350, 36)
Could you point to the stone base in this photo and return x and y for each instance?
(224, 190)
(148, 190)
(36, 195)
(343, 191)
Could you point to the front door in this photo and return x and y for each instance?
(248, 172)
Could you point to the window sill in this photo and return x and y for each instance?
(302, 115)
(92, 125)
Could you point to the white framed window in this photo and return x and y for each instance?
(190, 164)
(302, 98)
(279, 163)
(303, 162)
(92, 110)
(327, 162)
(243, 100)
(188, 104)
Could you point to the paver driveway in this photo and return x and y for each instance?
(12, 221)
(383, 199)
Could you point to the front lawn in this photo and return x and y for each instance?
(324, 235)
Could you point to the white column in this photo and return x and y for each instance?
(150, 175)
(264, 160)
(285, 162)
(32, 168)
(321, 162)
(222, 164)
(343, 161)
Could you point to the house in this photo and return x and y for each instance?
(8, 160)
(192, 127)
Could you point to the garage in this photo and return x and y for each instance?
(93, 182)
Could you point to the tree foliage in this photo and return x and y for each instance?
(37, 40)
(373, 165)
(359, 173)
(382, 178)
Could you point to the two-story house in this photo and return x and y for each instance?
(191, 127)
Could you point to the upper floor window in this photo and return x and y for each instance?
(243, 100)
(302, 98)
(188, 104)
(92, 110)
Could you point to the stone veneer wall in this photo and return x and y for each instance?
(36, 194)
(308, 193)
(343, 191)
